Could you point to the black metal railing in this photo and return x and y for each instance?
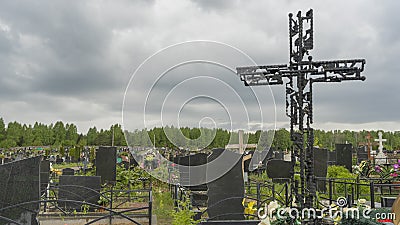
(353, 189)
(117, 204)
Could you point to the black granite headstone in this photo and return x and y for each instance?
(331, 157)
(68, 172)
(344, 155)
(226, 193)
(189, 175)
(59, 161)
(19, 183)
(79, 188)
(279, 155)
(106, 162)
(362, 154)
(278, 168)
(321, 167)
(44, 175)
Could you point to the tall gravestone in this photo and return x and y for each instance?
(192, 173)
(19, 183)
(321, 167)
(344, 155)
(106, 164)
(225, 194)
(78, 188)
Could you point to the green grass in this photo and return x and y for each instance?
(66, 165)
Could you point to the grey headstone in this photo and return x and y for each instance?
(19, 183)
(344, 155)
(278, 168)
(68, 172)
(321, 167)
(106, 164)
(79, 188)
(226, 193)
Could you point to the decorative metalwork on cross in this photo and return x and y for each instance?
(299, 76)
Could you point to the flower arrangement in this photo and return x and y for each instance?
(366, 169)
(388, 172)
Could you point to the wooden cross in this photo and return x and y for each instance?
(242, 147)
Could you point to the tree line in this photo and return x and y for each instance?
(58, 134)
(15, 134)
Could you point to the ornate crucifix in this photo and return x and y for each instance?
(299, 76)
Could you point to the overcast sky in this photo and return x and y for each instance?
(73, 60)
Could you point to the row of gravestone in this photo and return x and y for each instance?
(221, 176)
(23, 182)
(226, 192)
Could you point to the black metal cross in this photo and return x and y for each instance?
(300, 75)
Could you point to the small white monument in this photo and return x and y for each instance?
(380, 158)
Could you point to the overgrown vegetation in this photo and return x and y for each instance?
(167, 213)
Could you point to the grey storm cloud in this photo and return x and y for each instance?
(71, 61)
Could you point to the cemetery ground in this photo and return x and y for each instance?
(362, 184)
